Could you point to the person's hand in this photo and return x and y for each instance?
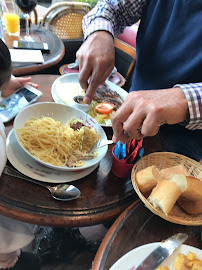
(15, 83)
(143, 112)
(96, 61)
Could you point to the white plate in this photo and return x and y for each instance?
(62, 113)
(132, 259)
(29, 167)
(67, 82)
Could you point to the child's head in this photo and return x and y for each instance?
(5, 64)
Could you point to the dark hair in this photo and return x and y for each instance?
(5, 63)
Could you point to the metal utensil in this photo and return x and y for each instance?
(82, 138)
(165, 249)
(100, 144)
(62, 192)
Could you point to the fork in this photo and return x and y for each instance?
(100, 144)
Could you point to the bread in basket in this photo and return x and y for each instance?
(163, 160)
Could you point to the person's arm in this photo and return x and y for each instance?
(112, 16)
(193, 94)
(15, 83)
(100, 25)
(143, 112)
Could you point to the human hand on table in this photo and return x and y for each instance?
(147, 110)
(15, 83)
(96, 61)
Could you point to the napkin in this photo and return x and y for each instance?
(26, 56)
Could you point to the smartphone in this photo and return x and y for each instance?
(11, 105)
(29, 45)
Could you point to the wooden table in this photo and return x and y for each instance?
(103, 195)
(137, 226)
(57, 51)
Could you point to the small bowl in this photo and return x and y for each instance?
(79, 103)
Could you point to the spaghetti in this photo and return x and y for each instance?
(54, 143)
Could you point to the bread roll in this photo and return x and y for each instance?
(147, 178)
(165, 195)
(191, 207)
(191, 186)
(179, 169)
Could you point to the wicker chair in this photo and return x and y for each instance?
(65, 19)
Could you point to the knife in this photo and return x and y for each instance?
(166, 248)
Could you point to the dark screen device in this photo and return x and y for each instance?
(11, 105)
(29, 45)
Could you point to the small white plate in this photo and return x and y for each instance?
(29, 167)
(68, 83)
(133, 258)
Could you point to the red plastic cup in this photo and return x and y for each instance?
(120, 168)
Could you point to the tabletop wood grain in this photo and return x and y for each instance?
(103, 195)
(137, 226)
(57, 51)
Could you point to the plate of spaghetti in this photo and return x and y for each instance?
(59, 136)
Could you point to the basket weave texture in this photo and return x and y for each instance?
(164, 160)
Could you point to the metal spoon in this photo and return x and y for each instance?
(100, 144)
(62, 192)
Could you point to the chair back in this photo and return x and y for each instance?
(65, 19)
(125, 57)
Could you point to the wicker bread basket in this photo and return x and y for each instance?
(164, 160)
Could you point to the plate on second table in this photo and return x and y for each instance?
(67, 86)
(31, 168)
(133, 258)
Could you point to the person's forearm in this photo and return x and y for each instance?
(112, 16)
(193, 93)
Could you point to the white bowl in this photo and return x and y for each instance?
(81, 106)
(61, 113)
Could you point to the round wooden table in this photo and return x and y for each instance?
(103, 195)
(57, 51)
(137, 226)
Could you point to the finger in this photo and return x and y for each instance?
(33, 84)
(118, 119)
(24, 80)
(85, 72)
(150, 126)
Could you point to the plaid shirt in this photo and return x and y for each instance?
(113, 16)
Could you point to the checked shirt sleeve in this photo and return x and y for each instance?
(112, 16)
(193, 93)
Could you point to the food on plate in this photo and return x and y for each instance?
(187, 262)
(104, 95)
(104, 108)
(66, 91)
(147, 178)
(178, 169)
(164, 195)
(183, 262)
(58, 144)
(191, 207)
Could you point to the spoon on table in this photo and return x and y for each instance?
(61, 192)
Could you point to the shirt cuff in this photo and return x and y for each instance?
(193, 94)
(98, 25)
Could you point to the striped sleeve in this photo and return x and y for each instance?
(112, 16)
(193, 94)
